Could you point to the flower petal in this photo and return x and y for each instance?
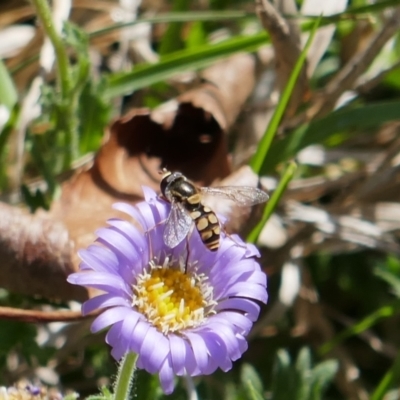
(251, 308)
(100, 280)
(103, 301)
(148, 216)
(109, 317)
(120, 344)
(217, 350)
(119, 347)
(190, 361)
(138, 335)
(243, 346)
(166, 376)
(158, 357)
(118, 243)
(114, 333)
(248, 290)
(225, 333)
(252, 251)
(199, 350)
(135, 237)
(236, 319)
(178, 353)
(149, 194)
(99, 258)
(153, 356)
(132, 211)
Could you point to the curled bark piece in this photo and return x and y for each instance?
(35, 254)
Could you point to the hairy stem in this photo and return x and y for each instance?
(125, 375)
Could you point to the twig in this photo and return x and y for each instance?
(285, 38)
(38, 316)
(348, 75)
(366, 86)
(368, 336)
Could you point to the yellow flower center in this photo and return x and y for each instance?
(171, 299)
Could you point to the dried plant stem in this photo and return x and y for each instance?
(348, 75)
(39, 316)
(285, 37)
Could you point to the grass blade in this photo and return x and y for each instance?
(8, 93)
(273, 201)
(338, 121)
(145, 75)
(187, 16)
(265, 143)
(391, 376)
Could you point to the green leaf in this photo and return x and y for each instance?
(284, 378)
(197, 36)
(252, 392)
(8, 93)
(252, 382)
(35, 200)
(390, 278)
(303, 362)
(9, 126)
(94, 115)
(320, 130)
(45, 167)
(145, 75)
(300, 381)
(391, 378)
(146, 386)
(18, 335)
(71, 396)
(322, 376)
(303, 369)
(172, 39)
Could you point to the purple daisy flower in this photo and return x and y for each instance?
(184, 311)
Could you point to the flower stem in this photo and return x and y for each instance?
(44, 13)
(67, 123)
(191, 390)
(126, 371)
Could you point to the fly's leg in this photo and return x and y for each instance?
(223, 229)
(187, 253)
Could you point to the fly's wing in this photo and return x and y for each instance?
(244, 196)
(177, 225)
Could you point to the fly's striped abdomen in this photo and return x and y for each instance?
(206, 222)
(186, 207)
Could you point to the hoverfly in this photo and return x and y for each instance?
(187, 208)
